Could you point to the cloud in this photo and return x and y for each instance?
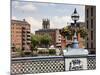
(27, 7)
(15, 3)
(82, 18)
(52, 4)
(35, 24)
(14, 17)
(44, 4)
(55, 22)
(62, 21)
(59, 21)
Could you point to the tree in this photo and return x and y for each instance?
(52, 51)
(21, 53)
(83, 32)
(35, 40)
(45, 40)
(69, 32)
(40, 40)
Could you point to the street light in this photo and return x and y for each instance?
(75, 50)
(75, 18)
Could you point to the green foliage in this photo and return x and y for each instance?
(83, 32)
(38, 40)
(69, 32)
(28, 54)
(35, 39)
(45, 40)
(52, 51)
(43, 51)
(21, 53)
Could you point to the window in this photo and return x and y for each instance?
(91, 11)
(59, 36)
(87, 13)
(17, 35)
(28, 31)
(23, 28)
(23, 43)
(28, 43)
(91, 44)
(87, 45)
(23, 48)
(23, 39)
(87, 24)
(17, 31)
(87, 38)
(91, 23)
(28, 39)
(91, 35)
(59, 39)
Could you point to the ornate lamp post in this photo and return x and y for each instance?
(75, 50)
(75, 63)
(75, 17)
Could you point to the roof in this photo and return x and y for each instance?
(46, 30)
(20, 22)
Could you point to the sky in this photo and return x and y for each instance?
(33, 12)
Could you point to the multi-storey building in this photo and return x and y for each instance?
(53, 33)
(58, 38)
(20, 35)
(90, 19)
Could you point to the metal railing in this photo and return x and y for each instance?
(42, 64)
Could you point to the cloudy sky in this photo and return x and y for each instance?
(34, 12)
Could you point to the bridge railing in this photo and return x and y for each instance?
(44, 64)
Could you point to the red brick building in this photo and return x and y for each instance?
(20, 35)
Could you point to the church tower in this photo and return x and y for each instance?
(45, 24)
